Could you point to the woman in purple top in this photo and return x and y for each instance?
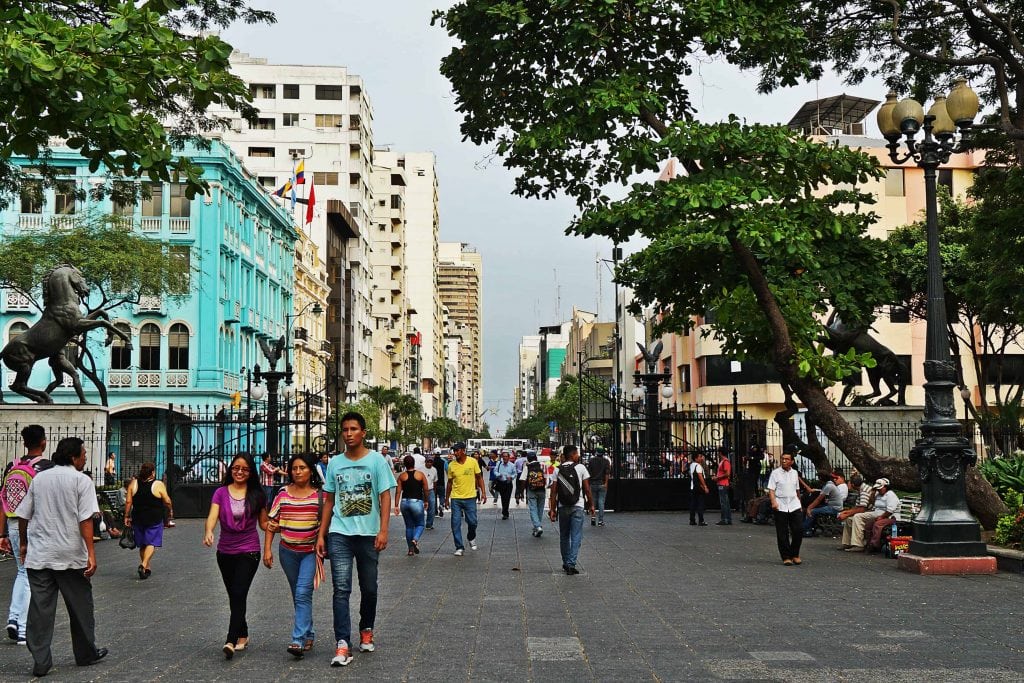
(239, 505)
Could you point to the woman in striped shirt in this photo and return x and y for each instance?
(295, 514)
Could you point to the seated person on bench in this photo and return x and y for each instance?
(884, 505)
(828, 502)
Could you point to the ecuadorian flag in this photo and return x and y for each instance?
(300, 173)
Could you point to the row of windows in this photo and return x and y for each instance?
(289, 119)
(895, 182)
(148, 346)
(64, 201)
(291, 91)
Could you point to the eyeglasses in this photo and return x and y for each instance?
(240, 470)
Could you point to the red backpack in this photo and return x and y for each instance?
(15, 487)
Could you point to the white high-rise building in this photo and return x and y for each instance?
(459, 284)
(320, 117)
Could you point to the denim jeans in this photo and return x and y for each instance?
(300, 568)
(598, 493)
(725, 503)
(431, 508)
(460, 507)
(342, 550)
(812, 516)
(570, 534)
(21, 592)
(535, 502)
(412, 513)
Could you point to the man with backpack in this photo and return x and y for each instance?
(599, 468)
(16, 482)
(535, 483)
(570, 496)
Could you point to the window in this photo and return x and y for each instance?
(265, 91)
(123, 203)
(149, 347)
(723, 371)
(328, 120)
(32, 196)
(64, 198)
(265, 124)
(183, 253)
(946, 179)
(325, 177)
(396, 201)
(261, 152)
(177, 347)
(268, 181)
(290, 91)
(894, 182)
(120, 353)
(289, 119)
(181, 206)
(684, 378)
(154, 204)
(353, 122)
(15, 330)
(330, 92)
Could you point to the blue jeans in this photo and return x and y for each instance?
(725, 503)
(300, 568)
(342, 550)
(460, 507)
(812, 516)
(412, 513)
(535, 503)
(431, 506)
(21, 592)
(570, 534)
(598, 493)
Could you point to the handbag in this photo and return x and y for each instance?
(127, 538)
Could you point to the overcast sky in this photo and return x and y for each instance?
(391, 44)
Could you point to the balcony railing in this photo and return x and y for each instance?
(16, 301)
(180, 225)
(151, 224)
(30, 221)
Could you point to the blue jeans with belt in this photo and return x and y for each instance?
(535, 503)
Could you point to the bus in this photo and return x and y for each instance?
(487, 445)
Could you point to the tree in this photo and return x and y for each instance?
(119, 265)
(383, 398)
(577, 95)
(366, 408)
(107, 77)
(408, 415)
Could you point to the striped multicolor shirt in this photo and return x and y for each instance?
(298, 520)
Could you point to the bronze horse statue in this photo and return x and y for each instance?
(888, 368)
(64, 290)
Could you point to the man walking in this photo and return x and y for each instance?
(599, 469)
(465, 482)
(535, 483)
(55, 527)
(13, 492)
(723, 477)
(520, 483)
(429, 496)
(354, 526)
(698, 490)
(569, 496)
(504, 476)
(783, 491)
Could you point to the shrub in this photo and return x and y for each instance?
(1005, 474)
(1010, 528)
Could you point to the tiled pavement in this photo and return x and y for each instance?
(658, 600)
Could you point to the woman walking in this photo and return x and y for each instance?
(239, 506)
(409, 500)
(144, 512)
(295, 512)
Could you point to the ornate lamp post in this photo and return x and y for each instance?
(944, 528)
(650, 386)
(251, 392)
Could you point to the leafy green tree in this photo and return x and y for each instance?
(124, 83)
(383, 398)
(577, 95)
(366, 408)
(119, 265)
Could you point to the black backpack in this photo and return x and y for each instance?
(535, 477)
(568, 484)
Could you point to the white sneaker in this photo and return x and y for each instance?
(472, 545)
(342, 655)
(458, 552)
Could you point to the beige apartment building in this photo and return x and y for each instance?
(311, 355)
(460, 288)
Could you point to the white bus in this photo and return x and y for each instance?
(487, 445)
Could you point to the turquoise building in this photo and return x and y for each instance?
(188, 355)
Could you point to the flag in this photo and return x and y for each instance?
(300, 173)
(311, 201)
(283, 190)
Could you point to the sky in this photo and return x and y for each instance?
(533, 273)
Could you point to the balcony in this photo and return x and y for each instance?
(246, 318)
(150, 305)
(151, 224)
(16, 301)
(231, 311)
(180, 225)
(31, 221)
(148, 379)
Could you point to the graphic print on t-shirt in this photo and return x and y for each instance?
(354, 487)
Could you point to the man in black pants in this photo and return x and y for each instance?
(783, 490)
(504, 477)
(698, 490)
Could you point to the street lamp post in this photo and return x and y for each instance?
(251, 392)
(650, 386)
(944, 528)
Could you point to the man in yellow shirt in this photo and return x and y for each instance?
(464, 480)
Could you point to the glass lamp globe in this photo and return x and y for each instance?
(258, 392)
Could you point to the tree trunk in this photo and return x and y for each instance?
(981, 497)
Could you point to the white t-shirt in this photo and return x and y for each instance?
(431, 474)
(58, 500)
(890, 503)
(583, 474)
(786, 486)
(696, 467)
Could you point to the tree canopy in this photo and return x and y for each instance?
(124, 83)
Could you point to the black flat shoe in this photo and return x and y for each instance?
(100, 653)
(295, 650)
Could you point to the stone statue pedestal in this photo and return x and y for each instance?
(891, 430)
(87, 422)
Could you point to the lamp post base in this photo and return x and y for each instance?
(947, 566)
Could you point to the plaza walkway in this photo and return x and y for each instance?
(657, 600)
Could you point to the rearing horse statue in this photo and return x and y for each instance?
(64, 290)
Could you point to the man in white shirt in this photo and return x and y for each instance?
(783, 491)
(570, 514)
(431, 474)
